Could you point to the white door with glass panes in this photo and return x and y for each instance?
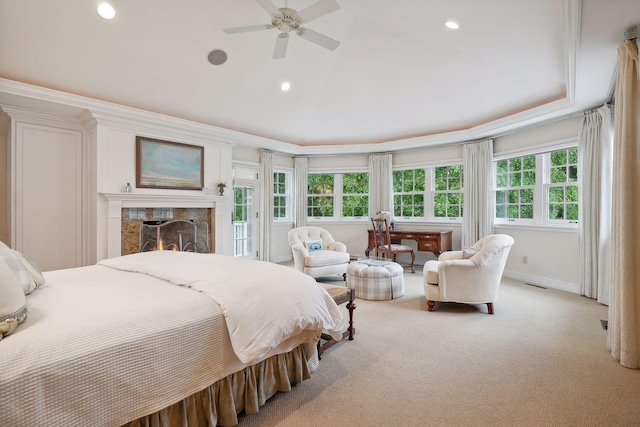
(245, 224)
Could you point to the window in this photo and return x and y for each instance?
(320, 195)
(355, 195)
(279, 195)
(538, 189)
(447, 192)
(408, 193)
(428, 194)
(515, 186)
(562, 192)
(338, 195)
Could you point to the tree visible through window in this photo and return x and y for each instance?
(320, 195)
(447, 195)
(408, 193)
(279, 195)
(562, 195)
(515, 183)
(355, 194)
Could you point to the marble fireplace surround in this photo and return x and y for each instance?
(118, 201)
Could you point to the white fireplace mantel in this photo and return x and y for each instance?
(117, 201)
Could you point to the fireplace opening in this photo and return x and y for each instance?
(150, 229)
(174, 235)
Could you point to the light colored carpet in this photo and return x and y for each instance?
(541, 360)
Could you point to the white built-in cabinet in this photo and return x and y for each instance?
(46, 193)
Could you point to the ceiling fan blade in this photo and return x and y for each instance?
(246, 29)
(319, 39)
(269, 7)
(281, 46)
(317, 10)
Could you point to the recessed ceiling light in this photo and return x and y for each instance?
(451, 24)
(106, 11)
(285, 86)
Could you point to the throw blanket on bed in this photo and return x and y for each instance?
(263, 303)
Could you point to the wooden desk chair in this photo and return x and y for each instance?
(382, 240)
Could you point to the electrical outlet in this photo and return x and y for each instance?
(524, 259)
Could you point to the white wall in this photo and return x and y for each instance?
(106, 135)
(552, 255)
(116, 165)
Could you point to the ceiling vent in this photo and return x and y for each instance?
(217, 57)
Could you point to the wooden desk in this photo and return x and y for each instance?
(428, 241)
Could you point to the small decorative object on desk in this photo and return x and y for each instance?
(387, 215)
(127, 188)
(221, 187)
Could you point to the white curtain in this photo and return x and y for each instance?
(266, 205)
(624, 310)
(477, 216)
(301, 165)
(595, 163)
(380, 184)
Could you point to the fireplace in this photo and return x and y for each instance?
(178, 235)
(128, 214)
(173, 229)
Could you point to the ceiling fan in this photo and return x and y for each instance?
(288, 20)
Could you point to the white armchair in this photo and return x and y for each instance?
(470, 276)
(316, 253)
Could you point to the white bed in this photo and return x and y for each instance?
(104, 345)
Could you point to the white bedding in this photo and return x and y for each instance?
(102, 346)
(283, 303)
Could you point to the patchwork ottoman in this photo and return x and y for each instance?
(376, 282)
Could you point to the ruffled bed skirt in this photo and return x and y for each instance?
(246, 390)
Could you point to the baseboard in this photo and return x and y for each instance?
(543, 281)
(283, 258)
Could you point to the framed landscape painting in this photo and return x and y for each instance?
(164, 164)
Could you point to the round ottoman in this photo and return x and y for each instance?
(376, 282)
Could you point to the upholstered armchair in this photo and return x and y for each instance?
(470, 276)
(316, 253)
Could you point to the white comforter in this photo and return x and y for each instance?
(263, 303)
(103, 346)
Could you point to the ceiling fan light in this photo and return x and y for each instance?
(452, 24)
(106, 11)
(285, 86)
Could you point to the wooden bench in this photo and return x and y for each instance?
(340, 295)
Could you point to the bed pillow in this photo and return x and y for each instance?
(32, 268)
(313, 245)
(13, 306)
(15, 265)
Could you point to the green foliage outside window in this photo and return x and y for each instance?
(448, 197)
(243, 200)
(515, 181)
(563, 191)
(320, 195)
(279, 195)
(408, 193)
(355, 194)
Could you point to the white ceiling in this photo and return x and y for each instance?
(399, 76)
